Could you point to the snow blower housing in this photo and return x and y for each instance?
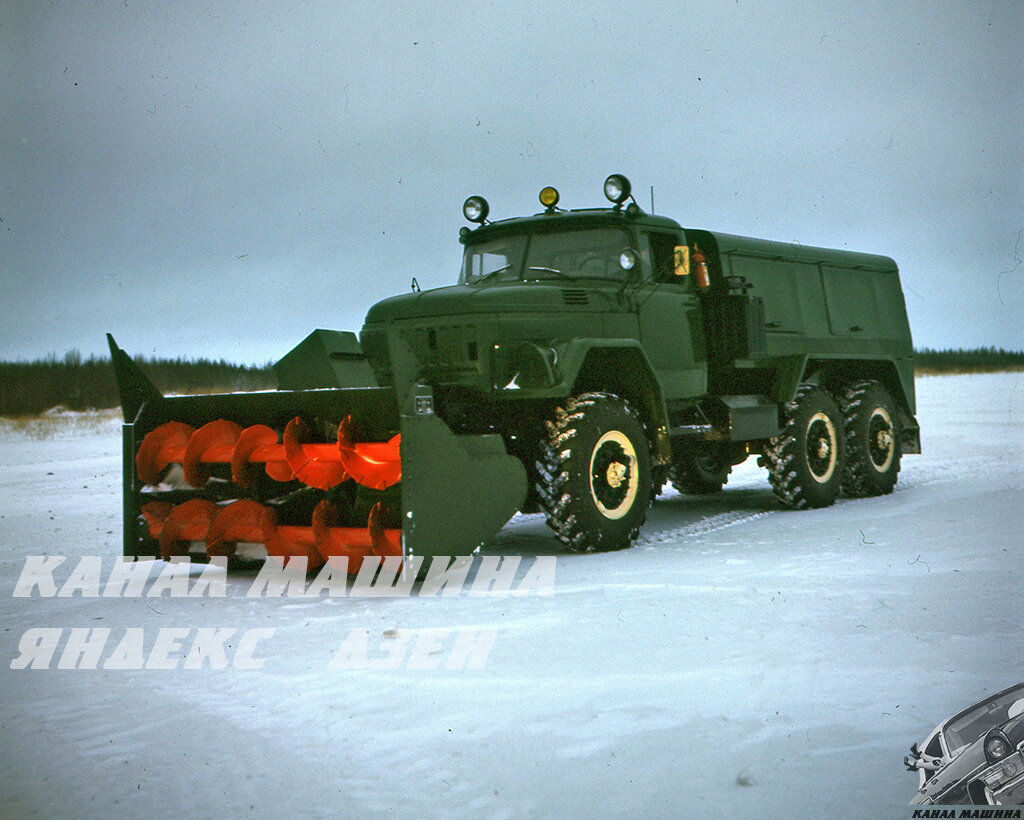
(584, 358)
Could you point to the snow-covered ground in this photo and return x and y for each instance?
(740, 660)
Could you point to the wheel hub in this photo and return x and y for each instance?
(614, 477)
(821, 447)
(881, 440)
(616, 474)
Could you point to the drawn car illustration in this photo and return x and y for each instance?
(976, 756)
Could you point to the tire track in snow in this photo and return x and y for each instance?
(711, 523)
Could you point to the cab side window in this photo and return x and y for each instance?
(661, 252)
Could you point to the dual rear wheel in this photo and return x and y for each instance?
(872, 440)
(826, 446)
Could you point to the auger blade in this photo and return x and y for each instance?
(163, 446)
(385, 542)
(255, 523)
(239, 521)
(334, 541)
(185, 523)
(211, 444)
(155, 512)
(353, 543)
(373, 464)
(255, 444)
(224, 443)
(289, 541)
(316, 466)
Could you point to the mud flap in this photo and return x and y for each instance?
(457, 491)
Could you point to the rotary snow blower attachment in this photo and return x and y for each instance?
(315, 473)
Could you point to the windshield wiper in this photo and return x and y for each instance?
(487, 276)
(555, 271)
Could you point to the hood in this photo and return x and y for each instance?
(498, 298)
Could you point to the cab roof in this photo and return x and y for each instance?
(559, 220)
(724, 243)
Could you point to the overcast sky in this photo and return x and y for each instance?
(218, 179)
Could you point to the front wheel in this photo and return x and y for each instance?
(595, 473)
(805, 462)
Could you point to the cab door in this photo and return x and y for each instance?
(671, 331)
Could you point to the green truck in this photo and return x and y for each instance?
(583, 359)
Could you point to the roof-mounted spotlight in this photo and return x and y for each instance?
(475, 209)
(549, 198)
(617, 189)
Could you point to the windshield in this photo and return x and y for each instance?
(497, 259)
(969, 727)
(590, 253)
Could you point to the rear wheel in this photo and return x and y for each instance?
(700, 473)
(805, 461)
(872, 440)
(659, 476)
(595, 473)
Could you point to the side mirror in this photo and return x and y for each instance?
(681, 260)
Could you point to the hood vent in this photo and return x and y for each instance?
(574, 296)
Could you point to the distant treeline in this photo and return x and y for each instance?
(978, 360)
(30, 388)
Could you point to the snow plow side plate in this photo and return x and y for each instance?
(457, 491)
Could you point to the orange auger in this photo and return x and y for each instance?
(300, 469)
(222, 527)
(373, 464)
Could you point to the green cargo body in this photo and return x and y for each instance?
(775, 315)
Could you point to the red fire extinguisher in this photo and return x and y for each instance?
(701, 267)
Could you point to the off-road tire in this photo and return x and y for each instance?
(805, 461)
(872, 440)
(595, 473)
(659, 477)
(699, 474)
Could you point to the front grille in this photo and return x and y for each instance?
(446, 346)
(574, 296)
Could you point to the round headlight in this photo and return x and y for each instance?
(617, 188)
(996, 747)
(628, 259)
(549, 197)
(475, 209)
